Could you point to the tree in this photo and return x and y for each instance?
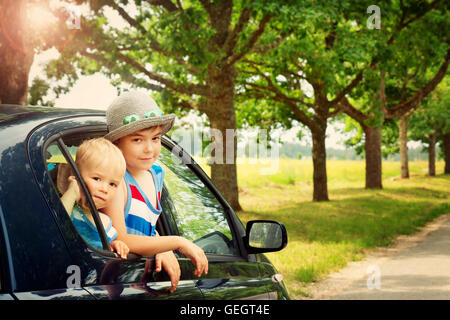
(420, 43)
(27, 27)
(446, 150)
(16, 54)
(403, 140)
(431, 123)
(304, 79)
(185, 50)
(38, 91)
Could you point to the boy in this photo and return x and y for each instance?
(135, 125)
(102, 167)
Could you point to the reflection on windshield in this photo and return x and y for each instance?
(199, 216)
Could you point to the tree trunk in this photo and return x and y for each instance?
(319, 157)
(432, 156)
(373, 158)
(224, 144)
(373, 142)
(403, 139)
(223, 166)
(16, 55)
(446, 147)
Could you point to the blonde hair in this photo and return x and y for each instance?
(100, 152)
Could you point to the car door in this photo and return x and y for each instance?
(196, 211)
(98, 271)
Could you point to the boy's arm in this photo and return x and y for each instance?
(72, 195)
(146, 245)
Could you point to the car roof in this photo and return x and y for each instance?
(31, 116)
(9, 111)
(16, 122)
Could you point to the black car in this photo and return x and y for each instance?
(42, 255)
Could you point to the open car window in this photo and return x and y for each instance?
(190, 209)
(60, 167)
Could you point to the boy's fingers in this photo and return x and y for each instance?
(174, 282)
(206, 267)
(124, 253)
(174, 275)
(121, 250)
(199, 271)
(202, 266)
(157, 263)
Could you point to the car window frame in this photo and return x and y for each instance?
(164, 226)
(92, 208)
(235, 225)
(54, 139)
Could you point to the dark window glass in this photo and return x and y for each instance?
(197, 213)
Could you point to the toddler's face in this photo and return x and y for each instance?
(141, 148)
(102, 183)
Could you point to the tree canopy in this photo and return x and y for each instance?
(186, 51)
(251, 63)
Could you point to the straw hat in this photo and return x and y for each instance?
(133, 111)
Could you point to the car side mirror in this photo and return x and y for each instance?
(265, 236)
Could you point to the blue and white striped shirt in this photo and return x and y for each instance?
(140, 215)
(89, 231)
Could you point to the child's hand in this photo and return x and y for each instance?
(169, 262)
(197, 255)
(120, 247)
(74, 187)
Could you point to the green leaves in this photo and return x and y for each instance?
(38, 91)
(433, 115)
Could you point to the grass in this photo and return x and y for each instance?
(325, 236)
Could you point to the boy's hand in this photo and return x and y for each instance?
(169, 262)
(120, 247)
(197, 255)
(74, 187)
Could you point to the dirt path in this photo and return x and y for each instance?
(414, 267)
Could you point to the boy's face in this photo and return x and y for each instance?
(141, 148)
(101, 181)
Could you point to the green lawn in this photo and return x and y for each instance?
(324, 236)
